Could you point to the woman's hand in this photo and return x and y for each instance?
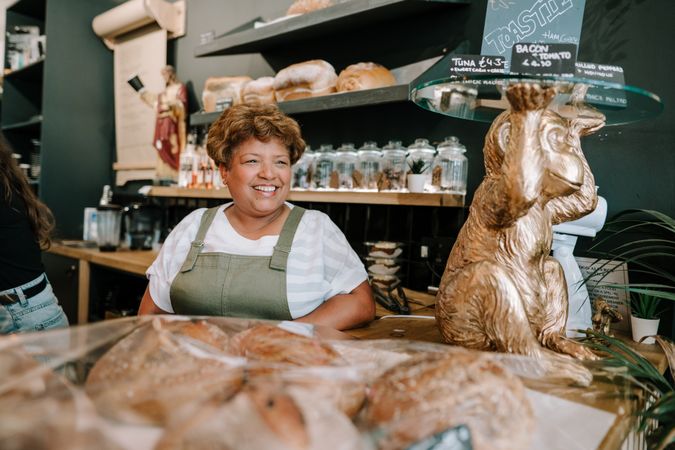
(344, 311)
(148, 305)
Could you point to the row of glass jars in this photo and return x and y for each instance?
(373, 169)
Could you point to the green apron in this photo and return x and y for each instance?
(222, 284)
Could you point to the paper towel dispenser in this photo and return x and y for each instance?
(134, 14)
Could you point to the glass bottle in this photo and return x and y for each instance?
(323, 167)
(302, 170)
(394, 166)
(346, 160)
(369, 167)
(420, 159)
(451, 166)
(186, 167)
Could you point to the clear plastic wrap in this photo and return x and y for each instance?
(174, 382)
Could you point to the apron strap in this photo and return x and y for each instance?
(198, 243)
(283, 247)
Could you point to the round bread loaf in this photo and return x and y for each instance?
(432, 392)
(259, 91)
(162, 367)
(271, 350)
(272, 344)
(306, 79)
(305, 6)
(364, 75)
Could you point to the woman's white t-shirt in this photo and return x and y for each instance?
(321, 263)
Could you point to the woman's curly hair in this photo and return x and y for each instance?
(240, 123)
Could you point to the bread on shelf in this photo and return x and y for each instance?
(259, 91)
(223, 88)
(306, 79)
(364, 75)
(305, 6)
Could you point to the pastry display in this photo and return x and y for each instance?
(432, 392)
(178, 382)
(305, 6)
(364, 75)
(161, 367)
(259, 91)
(306, 79)
(223, 88)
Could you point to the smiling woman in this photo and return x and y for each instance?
(259, 256)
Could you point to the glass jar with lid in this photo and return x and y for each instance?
(420, 160)
(369, 167)
(394, 166)
(324, 163)
(302, 170)
(346, 160)
(450, 167)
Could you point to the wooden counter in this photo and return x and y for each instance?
(135, 262)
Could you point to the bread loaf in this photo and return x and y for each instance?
(160, 368)
(364, 75)
(432, 392)
(307, 79)
(217, 88)
(279, 348)
(263, 416)
(259, 91)
(272, 344)
(305, 6)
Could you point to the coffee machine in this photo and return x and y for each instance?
(141, 223)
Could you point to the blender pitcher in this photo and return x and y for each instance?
(108, 224)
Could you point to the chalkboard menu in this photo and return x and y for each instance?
(603, 72)
(544, 59)
(508, 22)
(476, 64)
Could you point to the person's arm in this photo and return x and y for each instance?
(148, 305)
(344, 311)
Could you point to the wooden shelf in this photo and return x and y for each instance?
(32, 71)
(346, 33)
(30, 8)
(28, 126)
(392, 94)
(368, 198)
(337, 18)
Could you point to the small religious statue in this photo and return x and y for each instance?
(170, 128)
(604, 316)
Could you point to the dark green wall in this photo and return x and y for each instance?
(78, 136)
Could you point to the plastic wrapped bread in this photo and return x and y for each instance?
(162, 367)
(433, 392)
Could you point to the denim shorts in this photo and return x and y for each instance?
(39, 312)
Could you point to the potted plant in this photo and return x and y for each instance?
(644, 316)
(417, 177)
(645, 240)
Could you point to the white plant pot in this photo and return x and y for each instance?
(416, 182)
(644, 327)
